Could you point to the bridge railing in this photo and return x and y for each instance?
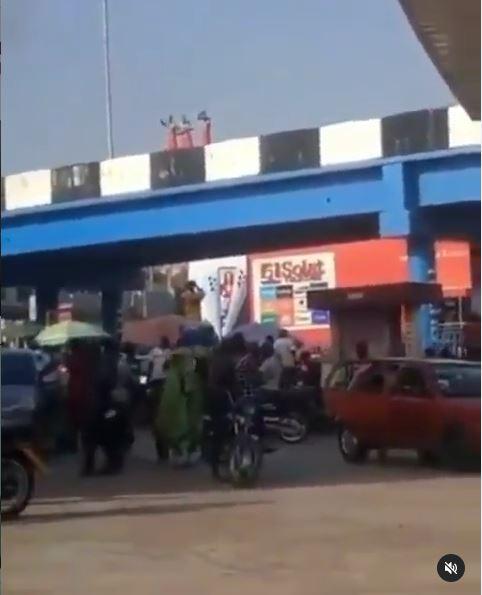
(332, 144)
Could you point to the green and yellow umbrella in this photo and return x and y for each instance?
(68, 330)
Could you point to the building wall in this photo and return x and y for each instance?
(342, 265)
(372, 262)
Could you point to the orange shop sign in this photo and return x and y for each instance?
(279, 286)
(453, 267)
(293, 270)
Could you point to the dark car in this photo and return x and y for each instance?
(20, 395)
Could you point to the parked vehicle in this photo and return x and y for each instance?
(432, 406)
(286, 414)
(20, 463)
(20, 399)
(242, 453)
(21, 388)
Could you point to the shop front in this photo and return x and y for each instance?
(279, 283)
(384, 317)
(372, 282)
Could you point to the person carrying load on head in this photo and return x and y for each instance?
(191, 298)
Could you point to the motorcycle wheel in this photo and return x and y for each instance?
(17, 486)
(224, 469)
(294, 428)
(245, 461)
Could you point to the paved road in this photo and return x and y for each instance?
(314, 526)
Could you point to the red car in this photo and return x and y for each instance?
(432, 406)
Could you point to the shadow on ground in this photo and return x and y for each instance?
(126, 511)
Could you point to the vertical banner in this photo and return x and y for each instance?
(224, 281)
(32, 307)
(226, 284)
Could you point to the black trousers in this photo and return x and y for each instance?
(218, 407)
(111, 435)
(219, 437)
(89, 442)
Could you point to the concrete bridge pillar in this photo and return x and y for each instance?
(111, 309)
(395, 219)
(421, 264)
(46, 298)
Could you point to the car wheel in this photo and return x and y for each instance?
(455, 454)
(17, 486)
(351, 449)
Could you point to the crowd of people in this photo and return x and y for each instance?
(197, 376)
(185, 382)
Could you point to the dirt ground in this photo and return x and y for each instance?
(315, 525)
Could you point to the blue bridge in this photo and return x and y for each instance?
(102, 241)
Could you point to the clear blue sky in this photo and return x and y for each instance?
(257, 66)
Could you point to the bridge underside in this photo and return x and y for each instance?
(101, 243)
(450, 33)
(120, 263)
(457, 222)
(96, 265)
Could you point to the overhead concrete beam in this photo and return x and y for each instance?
(449, 30)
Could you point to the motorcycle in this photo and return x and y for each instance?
(289, 422)
(20, 463)
(241, 456)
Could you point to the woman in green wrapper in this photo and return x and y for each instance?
(179, 417)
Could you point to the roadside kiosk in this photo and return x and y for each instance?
(383, 316)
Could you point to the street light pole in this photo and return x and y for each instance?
(107, 78)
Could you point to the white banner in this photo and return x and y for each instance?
(32, 307)
(224, 280)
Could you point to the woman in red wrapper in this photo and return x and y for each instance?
(77, 384)
(80, 388)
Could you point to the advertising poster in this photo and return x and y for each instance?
(280, 284)
(224, 281)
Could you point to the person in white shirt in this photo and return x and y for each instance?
(285, 347)
(158, 358)
(271, 370)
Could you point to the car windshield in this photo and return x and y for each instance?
(17, 369)
(458, 380)
(340, 377)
